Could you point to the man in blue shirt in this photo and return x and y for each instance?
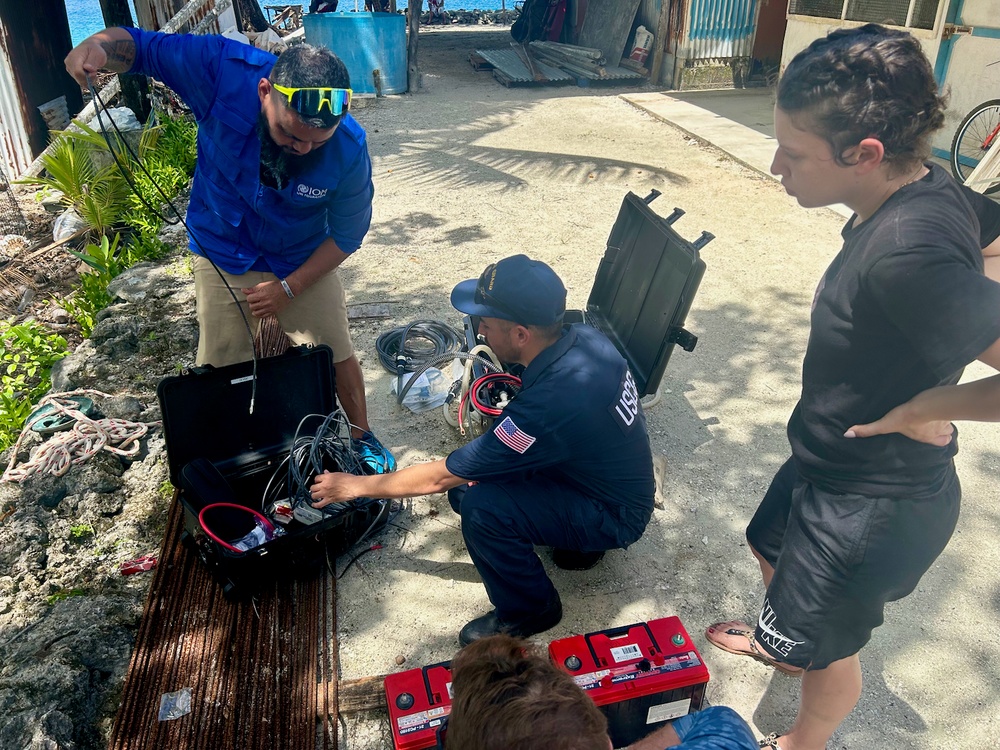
(282, 192)
(566, 465)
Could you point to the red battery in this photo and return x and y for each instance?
(639, 676)
(419, 702)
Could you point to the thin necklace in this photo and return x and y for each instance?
(913, 179)
(858, 220)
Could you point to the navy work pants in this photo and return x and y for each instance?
(501, 523)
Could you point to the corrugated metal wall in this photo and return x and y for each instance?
(16, 151)
(34, 39)
(722, 29)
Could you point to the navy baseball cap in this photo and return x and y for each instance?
(517, 288)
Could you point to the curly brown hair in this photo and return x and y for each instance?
(868, 82)
(508, 696)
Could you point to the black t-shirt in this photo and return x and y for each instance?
(578, 420)
(902, 308)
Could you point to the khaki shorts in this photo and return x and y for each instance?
(316, 316)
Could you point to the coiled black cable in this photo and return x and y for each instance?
(411, 347)
(418, 343)
(329, 447)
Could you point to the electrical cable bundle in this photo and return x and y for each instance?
(413, 346)
(397, 355)
(492, 392)
(329, 448)
(463, 417)
(486, 397)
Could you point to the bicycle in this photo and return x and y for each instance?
(976, 135)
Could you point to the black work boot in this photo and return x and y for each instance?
(490, 624)
(570, 559)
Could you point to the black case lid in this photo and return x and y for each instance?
(206, 414)
(644, 288)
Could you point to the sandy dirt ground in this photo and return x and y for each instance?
(468, 172)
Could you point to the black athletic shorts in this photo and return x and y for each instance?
(838, 558)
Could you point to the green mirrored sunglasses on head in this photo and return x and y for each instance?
(310, 101)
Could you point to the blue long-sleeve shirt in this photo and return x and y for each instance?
(238, 222)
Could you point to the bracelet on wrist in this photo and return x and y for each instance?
(288, 289)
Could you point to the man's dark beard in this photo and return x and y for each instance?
(276, 164)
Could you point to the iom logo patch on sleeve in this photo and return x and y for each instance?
(625, 409)
(307, 191)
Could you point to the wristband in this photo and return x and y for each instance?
(288, 289)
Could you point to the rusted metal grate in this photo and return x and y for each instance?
(262, 673)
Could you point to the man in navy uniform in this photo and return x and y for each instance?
(566, 465)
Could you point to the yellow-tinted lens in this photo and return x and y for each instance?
(311, 101)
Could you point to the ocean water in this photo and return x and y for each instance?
(85, 15)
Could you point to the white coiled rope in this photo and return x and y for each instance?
(73, 447)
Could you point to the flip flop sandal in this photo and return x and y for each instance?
(753, 652)
(771, 741)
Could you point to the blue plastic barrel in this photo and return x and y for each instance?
(365, 42)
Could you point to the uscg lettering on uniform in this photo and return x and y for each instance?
(626, 408)
(307, 191)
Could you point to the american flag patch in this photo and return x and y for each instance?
(513, 436)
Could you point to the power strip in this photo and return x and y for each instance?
(305, 513)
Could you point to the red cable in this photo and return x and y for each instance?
(500, 377)
(268, 526)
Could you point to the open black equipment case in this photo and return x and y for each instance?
(642, 292)
(210, 432)
(644, 288)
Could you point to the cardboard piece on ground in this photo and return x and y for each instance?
(368, 311)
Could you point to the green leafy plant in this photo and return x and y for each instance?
(15, 408)
(169, 154)
(80, 166)
(92, 295)
(28, 352)
(81, 532)
(166, 489)
(63, 594)
(103, 257)
(83, 168)
(145, 245)
(88, 300)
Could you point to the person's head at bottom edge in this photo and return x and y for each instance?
(507, 695)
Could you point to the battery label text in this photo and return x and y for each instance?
(421, 720)
(626, 653)
(668, 711)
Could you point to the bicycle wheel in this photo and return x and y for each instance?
(979, 131)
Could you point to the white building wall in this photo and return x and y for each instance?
(802, 30)
(968, 79)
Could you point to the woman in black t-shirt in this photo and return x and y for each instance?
(870, 497)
